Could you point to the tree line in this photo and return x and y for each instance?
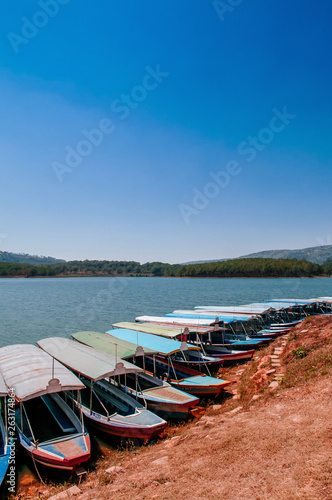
(235, 268)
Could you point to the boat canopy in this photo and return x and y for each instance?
(111, 345)
(151, 328)
(245, 309)
(163, 346)
(3, 387)
(324, 299)
(175, 321)
(278, 305)
(213, 314)
(294, 301)
(85, 360)
(212, 318)
(30, 372)
(181, 327)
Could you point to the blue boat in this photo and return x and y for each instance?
(184, 354)
(4, 445)
(159, 396)
(163, 365)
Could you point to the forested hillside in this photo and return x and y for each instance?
(235, 268)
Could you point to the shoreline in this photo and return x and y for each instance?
(151, 276)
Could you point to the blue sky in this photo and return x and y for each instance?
(183, 89)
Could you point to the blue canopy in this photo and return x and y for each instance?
(148, 340)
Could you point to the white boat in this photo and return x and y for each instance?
(46, 427)
(103, 402)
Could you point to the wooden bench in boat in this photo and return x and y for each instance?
(104, 392)
(59, 416)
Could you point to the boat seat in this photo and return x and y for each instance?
(106, 394)
(59, 416)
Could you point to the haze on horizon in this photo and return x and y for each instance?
(168, 131)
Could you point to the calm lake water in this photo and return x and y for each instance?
(32, 309)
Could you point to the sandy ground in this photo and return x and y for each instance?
(279, 449)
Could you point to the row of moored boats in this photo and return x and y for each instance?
(131, 380)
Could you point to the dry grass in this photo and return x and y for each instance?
(279, 449)
(309, 351)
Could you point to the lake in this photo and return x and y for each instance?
(32, 309)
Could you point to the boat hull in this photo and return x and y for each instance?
(231, 357)
(167, 402)
(188, 380)
(199, 390)
(241, 346)
(4, 451)
(171, 411)
(119, 429)
(215, 363)
(4, 463)
(62, 455)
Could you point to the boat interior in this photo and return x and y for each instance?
(48, 408)
(107, 399)
(144, 381)
(161, 368)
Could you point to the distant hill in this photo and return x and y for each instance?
(202, 261)
(25, 258)
(318, 255)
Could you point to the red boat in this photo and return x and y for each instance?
(47, 428)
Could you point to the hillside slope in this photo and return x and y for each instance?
(25, 258)
(318, 255)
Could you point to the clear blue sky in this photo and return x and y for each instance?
(186, 87)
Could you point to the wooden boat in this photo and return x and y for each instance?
(184, 334)
(182, 377)
(163, 366)
(212, 319)
(228, 355)
(203, 314)
(199, 360)
(159, 396)
(102, 402)
(273, 334)
(47, 428)
(220, 337)
(176, 321)
(186, 354)
(163, 330)
(4, 440)
(263, 313)
(238, 344)
(277, 326)
(245, 309)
